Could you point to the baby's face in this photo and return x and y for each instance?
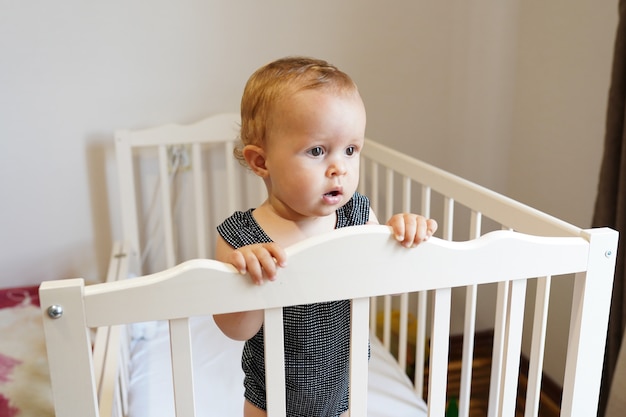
(312, 152)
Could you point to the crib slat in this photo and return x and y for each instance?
(448, 218)
(533, 388)
(495, 381)
(128, 197)
(358, 356)
(182, 367)
(513, 347)
(469, 329)
(420, 342)
(439, 347)
(422, 302)
(373, 312)
(374, 186)
(387, 322)
(275, 360)
(230, 174)
(166, 208)
(404, 298)
(389, 194)
(404, 324)
(200, 206)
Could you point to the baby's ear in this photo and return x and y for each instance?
(255, 158)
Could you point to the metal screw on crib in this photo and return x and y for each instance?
(55, 311)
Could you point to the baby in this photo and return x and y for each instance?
(302, 132)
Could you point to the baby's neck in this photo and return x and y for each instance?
(286, 231)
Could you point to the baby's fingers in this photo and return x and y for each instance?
(260, 261)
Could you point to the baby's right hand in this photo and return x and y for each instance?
(260, 260)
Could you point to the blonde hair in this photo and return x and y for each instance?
(276, 80)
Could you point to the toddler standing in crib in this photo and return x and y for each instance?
(302, 130)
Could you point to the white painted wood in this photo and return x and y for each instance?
(182, 367)
(469, 329)
(499, 344)
(422, 303)
(359, 337)
(537, 350)
(167, 220)
(69, 348)
(439, 347)
(512, 348)
(448, 218)
(128, 197)
(420, 342)
(590, 312)
(389, 194)
(275, 360)
(404, 325)
(387, 321)
(374, 187)
(230, 175)
(373, 314)
(199, 195)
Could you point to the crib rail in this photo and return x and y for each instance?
(197, 288)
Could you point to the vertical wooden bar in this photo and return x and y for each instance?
(374, 188)
(469, 328)
(128, 197)
(512, 348)
(404, 298)
(439, 348)
(182, 367)
(448, 218)
(422, 311)
(275, 363)
(71, 398)
(495, 382)
(166, 207)
(359, 336)
(589, 321)
(199, 201)
(537, 349)
(389, 194)
(230, 175)
(387, 322)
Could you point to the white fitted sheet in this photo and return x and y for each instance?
(219, 378)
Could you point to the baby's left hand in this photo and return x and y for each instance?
(411, 229)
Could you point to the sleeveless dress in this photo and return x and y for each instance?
(317, 336)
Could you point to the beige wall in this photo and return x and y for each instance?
(510, 94)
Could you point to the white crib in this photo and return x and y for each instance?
(490, 241)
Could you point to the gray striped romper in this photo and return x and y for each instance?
(316, 335)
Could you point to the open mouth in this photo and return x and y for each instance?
(333, 194)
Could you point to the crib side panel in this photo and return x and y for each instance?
(465, 211)
(68, 346)
(177, 183)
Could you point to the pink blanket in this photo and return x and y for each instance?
(24, 378)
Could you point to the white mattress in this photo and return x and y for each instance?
(219, 379)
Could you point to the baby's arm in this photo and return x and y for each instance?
(261, 262)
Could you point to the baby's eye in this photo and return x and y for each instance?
(316, 151)
(350, 150)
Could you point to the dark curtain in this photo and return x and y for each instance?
(610, 208)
